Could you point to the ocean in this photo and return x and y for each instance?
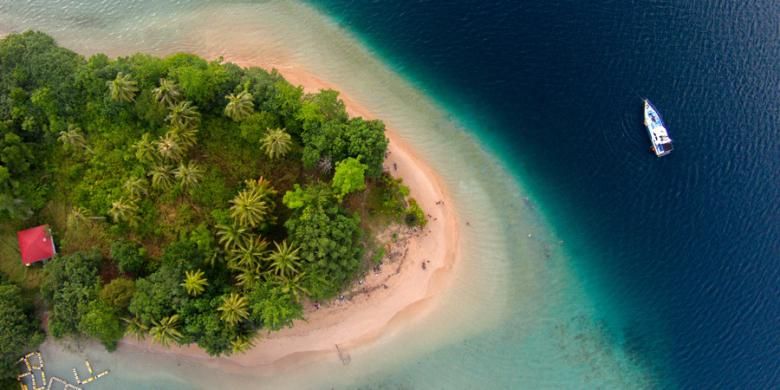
(590, 263)
(687, 247)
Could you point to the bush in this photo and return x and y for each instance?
(102, 322)
(129, 257)
(118, 293)
(19, 329)
(415, 216)
(69, 285)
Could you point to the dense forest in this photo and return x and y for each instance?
(191, 201)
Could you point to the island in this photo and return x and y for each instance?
(192, 203)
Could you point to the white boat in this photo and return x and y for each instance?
(659, 137)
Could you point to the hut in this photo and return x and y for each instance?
(36, 244)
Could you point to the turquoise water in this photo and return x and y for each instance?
(519, 313)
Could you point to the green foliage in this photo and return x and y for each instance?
(123, 88)
(253, 128)
(155, 155)
(274, 308)
(415, 216)
(203, 325)
(102, 322)
(349, 177)
(118, 293)
(240, 106)
(195, 282)
(166, 331)
(19, 329)
(69, 285)
(129, 257)
(157, 295)
(233, 308)
(276, 143)
(327, 238)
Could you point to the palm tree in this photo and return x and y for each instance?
(80, 215)
(162, 177)
(169, 147)
(73, 138)
(234, 308)
(293, 286)
(195, 282)
(241, 344)
(231, 236)
(135, 187)
(136, 328)
(124, 211)
(186, 135)
(188, 174)
(249, 254)
(240, 106)
(122, 88)
(247, 277)
(285, 261)
(167, 93)
(248, 208)
(183, 115)
(145, 150)
(165, 331)
(276, 143)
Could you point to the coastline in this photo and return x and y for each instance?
(403, 291)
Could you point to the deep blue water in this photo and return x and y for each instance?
(688, 246)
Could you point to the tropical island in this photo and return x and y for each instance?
(191, 201)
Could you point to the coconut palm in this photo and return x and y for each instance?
(145, 149)
(162, 177)
(248, 208)
(169, 147)
(276, 143)
(188, 174)
(124, 211)
(239, 106)
(164, 331)
(183, 115)
(73, 138)
(135, 187)
(249, 254)
(231, 236)
(234, 308)
(188, 136)
(194, 282)
(241, 344)
(167, 93)
(285, 261)
(292, 285)
(136, 328)
(247, 277)
(80, 215)
(122, 88)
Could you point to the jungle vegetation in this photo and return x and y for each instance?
(192, 201)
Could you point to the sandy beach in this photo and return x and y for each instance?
(418, 269)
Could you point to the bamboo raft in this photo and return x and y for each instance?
(32, 369)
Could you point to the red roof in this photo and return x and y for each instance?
(35, 244)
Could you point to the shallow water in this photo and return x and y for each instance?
(517, 315)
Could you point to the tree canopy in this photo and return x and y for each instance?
(217, 194)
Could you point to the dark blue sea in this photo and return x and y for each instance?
(686, 246)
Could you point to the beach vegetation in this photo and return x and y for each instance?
(19, 329)
(197, 202)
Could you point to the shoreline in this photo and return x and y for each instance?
(402, 292)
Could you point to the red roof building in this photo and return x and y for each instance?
(36, 244)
